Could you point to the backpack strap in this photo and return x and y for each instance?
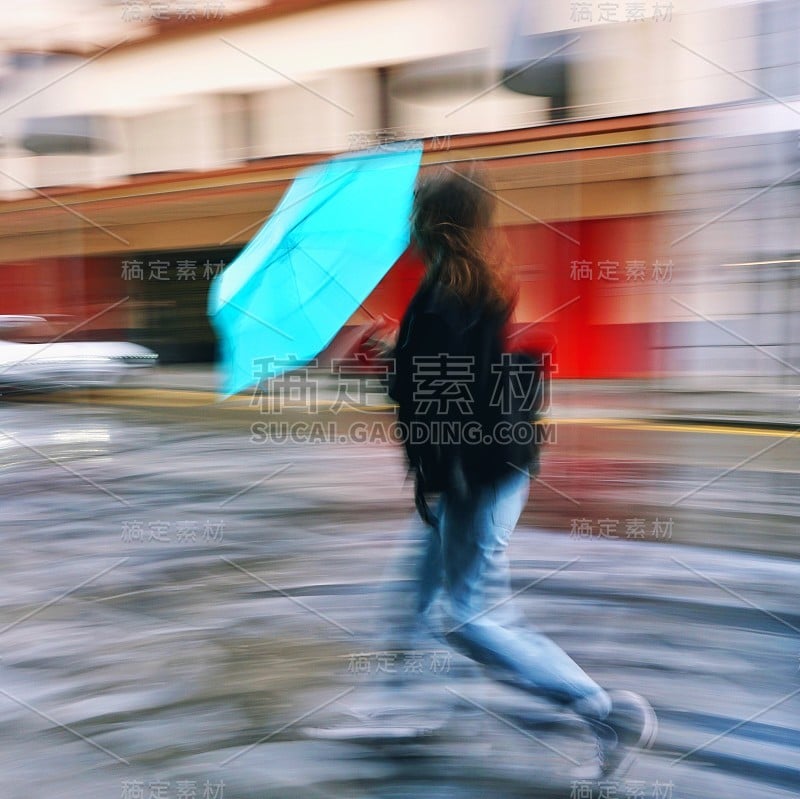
(421, 503)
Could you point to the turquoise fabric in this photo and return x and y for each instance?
(335, 233)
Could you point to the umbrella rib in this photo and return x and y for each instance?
(280, 210)
(259, 320)
(349, 175)
(333, 279)
(301, 305)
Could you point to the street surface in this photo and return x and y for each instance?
(180, 600)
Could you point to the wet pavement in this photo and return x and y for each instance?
(180, 601)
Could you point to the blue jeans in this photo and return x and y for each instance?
(466, 558)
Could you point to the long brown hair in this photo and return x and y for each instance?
(451, 224)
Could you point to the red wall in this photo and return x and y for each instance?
(601, 327)
(595, 334)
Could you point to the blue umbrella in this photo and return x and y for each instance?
(335, 233)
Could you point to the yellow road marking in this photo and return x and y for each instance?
(671, 427)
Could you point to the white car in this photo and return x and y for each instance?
(64, 364)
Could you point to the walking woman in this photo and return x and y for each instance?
(457, 390)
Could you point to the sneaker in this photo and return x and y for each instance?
(629, 728)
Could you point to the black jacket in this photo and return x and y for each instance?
(460, 429)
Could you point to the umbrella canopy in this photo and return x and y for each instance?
(335, 233)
